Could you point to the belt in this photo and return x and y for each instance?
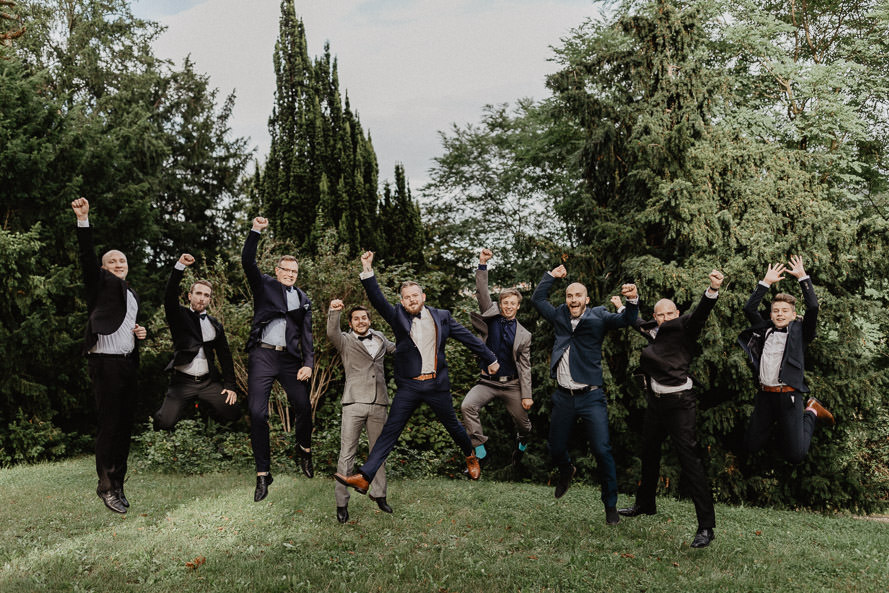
(671, 394)
(190, 377)
(581, 391)
(425, 377)
(499, 378)
(272, 347)
(777, 388)
(106, 355)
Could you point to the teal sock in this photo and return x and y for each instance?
(480, 452)
(522, 447)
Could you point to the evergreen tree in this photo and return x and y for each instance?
(400, 224)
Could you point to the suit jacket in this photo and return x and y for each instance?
(800, 332)
(408, 362)
(521, 346)
(586, 339)
(185, 328)
(672, 347)
(106, 294)
(270, 302)
(365, 376)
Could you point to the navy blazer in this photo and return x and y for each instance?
(106, 294)
(800, 332)
(270, 302)
(185, 329)
(407, 359)
(586, 339)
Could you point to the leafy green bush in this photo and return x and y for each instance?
(29, 440)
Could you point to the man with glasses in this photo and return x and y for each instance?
(279, 347)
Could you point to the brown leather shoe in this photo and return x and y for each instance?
(821, 412)
(356, 481)
(473, 468)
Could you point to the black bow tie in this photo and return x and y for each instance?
(365, 337)
(416, 315)
(506, 321)
(782, 330)
(289, 289)
(202, 316)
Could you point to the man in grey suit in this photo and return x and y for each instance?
(365, 397)
(511, 342)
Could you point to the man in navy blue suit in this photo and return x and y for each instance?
(421, 371)
(576, 364)
(775, 347)
(280, 348)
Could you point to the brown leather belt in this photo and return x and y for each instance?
(777, 388)
(425, 377)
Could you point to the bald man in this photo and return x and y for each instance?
(576, 365)
(110, 345)
(672, 406)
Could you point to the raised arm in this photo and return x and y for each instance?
(751, 308)
(248, 254)
(482, 293)
(699, 316)
(372, 288)
(810, 319)
(88, 262)
(627, 317)
(540, 297)
(171, 294)
(334, 330)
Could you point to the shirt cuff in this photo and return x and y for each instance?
(366, 275)
(633, 301)
(179, 265)
(766, 284)
(806, 277)
(255, 231)
(483, 266)
(710, 293)
(83, 223)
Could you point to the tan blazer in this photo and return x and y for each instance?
(365, 377)
(521, 347)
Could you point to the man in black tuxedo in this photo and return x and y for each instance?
(421, 371)
(576, 365)
(198, 338)
(279, 347)
(672, 406)
(775, 345)
(111, 349)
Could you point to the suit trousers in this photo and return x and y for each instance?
(356, 417)
(479, 396)
(592, 409)
(795, 425)
(409, 396)
(183, 392)
(264, 367)
(115, 391)
(674, 415)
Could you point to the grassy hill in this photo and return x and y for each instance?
(205, 533)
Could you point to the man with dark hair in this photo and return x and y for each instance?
(280, 348)
(113, 357)
(198, 338)
(421, 371)
(511, 342)
(775, 345)
(365, 396)
(672, 406)
(576, 365)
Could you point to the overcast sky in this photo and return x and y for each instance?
(410, 67)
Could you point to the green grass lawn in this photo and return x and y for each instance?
(445, 536)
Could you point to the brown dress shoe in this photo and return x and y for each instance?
(473, 469)
(821, 412)
(356, 481)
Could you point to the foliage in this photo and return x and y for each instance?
(31, 440)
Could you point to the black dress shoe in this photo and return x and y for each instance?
(703, 538)
(517, 453)
(122, 497)
(635, 511)
(262, 487)
(112, 501)
(305, 462)
(611, 516)
(565, 481)
(381, 502)
(342, 514)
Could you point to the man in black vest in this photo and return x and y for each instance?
(198, 338)
(111, 349)
(672, 406)
(775, 347)
(280, 347)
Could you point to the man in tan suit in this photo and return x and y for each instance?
(511, 342)
(365, 397)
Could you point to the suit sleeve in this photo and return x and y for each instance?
(248, 261)
(224, 355)
(751, 307)
(523, 367)
(699, 316)
(389, 346)
(334, 330)
(626, 318)
(171, 296)
(539, 299)
(88, 263)
(810, 319)
(463, 335)
(482, 294)
(305, 338)
(377, 300)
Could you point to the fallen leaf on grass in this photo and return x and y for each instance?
(627, 555)
(758, 532)
(676, 564)
(194, 564)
